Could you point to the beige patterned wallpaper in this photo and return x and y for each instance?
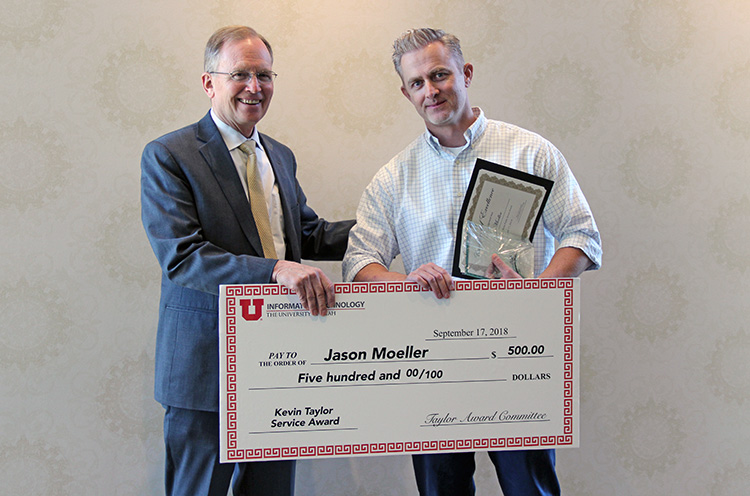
(648, 99)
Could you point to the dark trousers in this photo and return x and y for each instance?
(192, 468)
(520, 473)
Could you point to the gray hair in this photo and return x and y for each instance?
(224, 35)
(416, 39)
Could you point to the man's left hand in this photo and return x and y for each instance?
(500, 270)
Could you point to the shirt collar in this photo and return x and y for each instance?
(472, 134)
(232, 137)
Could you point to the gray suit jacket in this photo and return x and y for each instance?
(198, 221)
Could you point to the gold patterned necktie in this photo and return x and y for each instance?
(258, 199)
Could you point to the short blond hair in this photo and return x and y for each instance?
(416, 39)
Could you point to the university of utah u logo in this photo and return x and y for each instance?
(252, 309)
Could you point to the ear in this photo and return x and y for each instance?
(468, 74)
(405, 93)
(208, 84)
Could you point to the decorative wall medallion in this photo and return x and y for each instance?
(141, 89)
(729, 369)
(729, 235)
(564, 116)
(125, 394)
(732, 100)
(31, 22)
(732, 481)
(656, 168)
(650, 438)
(480, 25)
(659, 32)
(32, 179)
(38, 325)
(34, 467)
(348, 107)
(652, 305)
(123, 247)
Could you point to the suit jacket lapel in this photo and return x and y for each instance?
(215, 152)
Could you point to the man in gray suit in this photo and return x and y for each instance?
(200, 190)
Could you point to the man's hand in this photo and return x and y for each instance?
(313, 287)
(500, 270)
(434, 277)
(429, 276)
(566, 262)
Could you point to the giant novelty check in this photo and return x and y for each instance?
(393, 370)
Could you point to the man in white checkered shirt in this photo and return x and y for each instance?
(411, 208)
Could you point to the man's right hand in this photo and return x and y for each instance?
(434, 277)
(314, 288)
(429, 276)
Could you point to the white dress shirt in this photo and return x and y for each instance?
(412, 205)
(233, 139)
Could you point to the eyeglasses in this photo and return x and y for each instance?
(244, 77)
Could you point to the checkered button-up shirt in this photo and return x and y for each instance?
(412, 205)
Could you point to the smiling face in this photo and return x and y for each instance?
(240, 105)
(436, 84)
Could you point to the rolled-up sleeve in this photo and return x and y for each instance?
(373, 238)
(567, 215)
